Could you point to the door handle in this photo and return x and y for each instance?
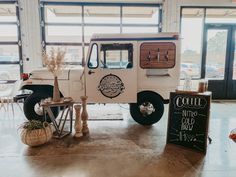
(90, 72)
(149, 56)
(158, 55)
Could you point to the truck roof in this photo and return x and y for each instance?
(135, 37)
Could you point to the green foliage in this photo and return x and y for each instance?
(34, 124)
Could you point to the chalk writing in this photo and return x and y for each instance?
(189, 102)
(188, 119)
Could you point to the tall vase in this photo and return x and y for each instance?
(84, 115)
(78, 122)
(56, 91)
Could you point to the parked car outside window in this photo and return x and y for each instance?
(190, 69)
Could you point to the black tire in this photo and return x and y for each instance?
(147, 97)
(29, 107)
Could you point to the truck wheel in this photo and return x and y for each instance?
(33, 110)
(148, 109)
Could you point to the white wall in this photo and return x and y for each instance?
(30, 33)
(170, 15)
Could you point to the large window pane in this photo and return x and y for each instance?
(221, 15)
(9, 72)
(216, 53)
(8, 33)
(140, 30)
(90, 30)
(191, 47)
(7, 13)
(73, 53)
(140, 15)
(99, 14)
(9, 53)
(63, 14)
(64, 34)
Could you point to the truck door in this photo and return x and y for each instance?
(111, 73)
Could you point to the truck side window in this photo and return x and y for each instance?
(117, 56)
(93, 57)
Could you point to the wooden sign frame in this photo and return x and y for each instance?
(188, 120)
(157, 55)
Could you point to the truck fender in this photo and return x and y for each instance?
(40, 88)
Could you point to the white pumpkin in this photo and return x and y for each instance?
(36, 137)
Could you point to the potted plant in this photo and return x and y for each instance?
(35, 133)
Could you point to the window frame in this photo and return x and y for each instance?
(16, 43)
(202, 60)
(84, 44)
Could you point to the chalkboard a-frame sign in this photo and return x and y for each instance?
(188, 120)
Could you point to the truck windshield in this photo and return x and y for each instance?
(116, 56)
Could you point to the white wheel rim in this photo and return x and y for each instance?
(146, 109)
(38, 109)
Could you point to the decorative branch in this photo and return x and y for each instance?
(54, 60)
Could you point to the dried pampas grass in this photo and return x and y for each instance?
(54, 60)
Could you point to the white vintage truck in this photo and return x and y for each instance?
(120, 68)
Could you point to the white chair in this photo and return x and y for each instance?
(3, 94)
(4, 76)
(7, 96)
(4, 88)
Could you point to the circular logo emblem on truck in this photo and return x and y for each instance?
(111, 86)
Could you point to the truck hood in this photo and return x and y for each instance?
(43, 73)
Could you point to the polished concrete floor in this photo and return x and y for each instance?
(120, 148)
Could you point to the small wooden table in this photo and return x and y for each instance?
(60, 123)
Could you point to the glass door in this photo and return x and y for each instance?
(218, 60)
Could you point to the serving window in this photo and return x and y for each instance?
(157, 55)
